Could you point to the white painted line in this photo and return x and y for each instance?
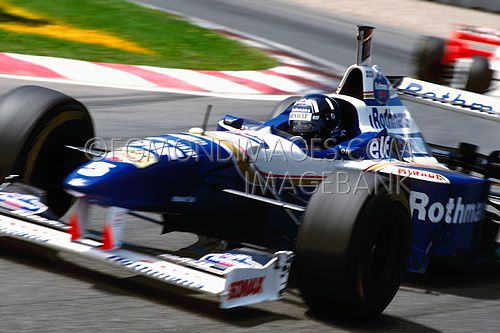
(204, 81)
(83, 71)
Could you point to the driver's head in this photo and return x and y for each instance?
(315, 116)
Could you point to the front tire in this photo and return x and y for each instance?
(36, 124)
(352, 248)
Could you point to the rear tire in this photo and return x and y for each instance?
(352, 248)
(480, 75)
(35, 125)
(427, 58)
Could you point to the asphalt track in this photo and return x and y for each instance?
(43, 294)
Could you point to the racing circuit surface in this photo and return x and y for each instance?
(43, 294)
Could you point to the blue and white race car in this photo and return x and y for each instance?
(354, 213)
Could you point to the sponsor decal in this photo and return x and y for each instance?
(175, 148)
(186, 261)
(389, 119)
(188, 199)
(379, 148)
(230, 260)
(381, 89)
(454, 97)
(300, 116)
(455, 211)
(25, 203)
(95, 169)
(41, 219)
(23, 234)
(149, 269)
(418, 174)
(190, 138)
(243, 288)
(78, 182)
(138, 157)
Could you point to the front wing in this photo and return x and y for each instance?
(233, 286)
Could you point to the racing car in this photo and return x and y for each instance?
(468, 59)
(347, 219)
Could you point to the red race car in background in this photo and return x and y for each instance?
(469, 59)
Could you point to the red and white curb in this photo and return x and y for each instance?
(294, 75)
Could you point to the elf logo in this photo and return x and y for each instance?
(455, 211)
(244, 288)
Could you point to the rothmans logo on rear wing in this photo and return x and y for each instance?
(447, 98)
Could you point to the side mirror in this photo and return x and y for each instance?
(233, 121)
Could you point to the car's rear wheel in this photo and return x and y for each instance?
(352, 247)
(428, 59)
(36, 124)
(479, 76)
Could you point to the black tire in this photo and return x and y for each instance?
(480, 75)
(352, 248)
(427, 58)
(281, 106)
(35, 125)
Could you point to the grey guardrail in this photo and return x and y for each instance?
(487, 5)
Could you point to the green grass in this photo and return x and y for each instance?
(175, 42)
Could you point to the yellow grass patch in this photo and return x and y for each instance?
(45, 27)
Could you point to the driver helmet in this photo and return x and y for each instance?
(315, 116)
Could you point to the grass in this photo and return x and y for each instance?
(171, 41)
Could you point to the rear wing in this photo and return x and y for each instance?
(477, 34)
(447, 98)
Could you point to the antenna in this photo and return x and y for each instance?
(207, 116)
(364, 45)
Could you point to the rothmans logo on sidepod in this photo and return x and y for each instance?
(454, 211)
(24, 202)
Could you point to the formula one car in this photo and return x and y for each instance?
(354, 215)
(469, 59)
